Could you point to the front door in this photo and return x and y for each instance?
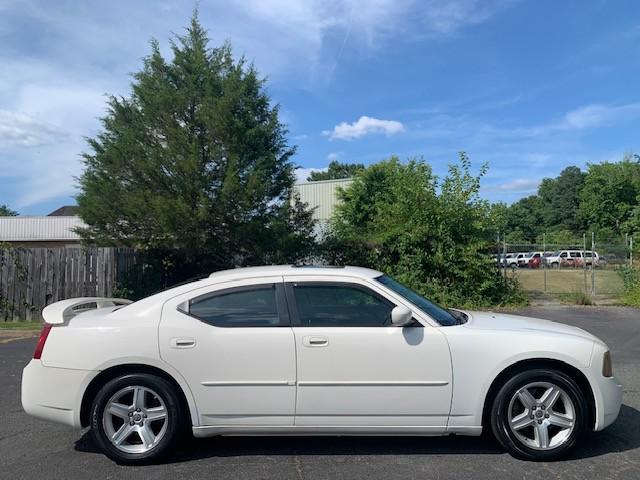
(234, 346)
(357, 370)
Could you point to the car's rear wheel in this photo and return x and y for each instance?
(539, 414)
(136, 418)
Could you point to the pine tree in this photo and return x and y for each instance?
(194, 166)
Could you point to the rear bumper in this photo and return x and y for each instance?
(54, 394)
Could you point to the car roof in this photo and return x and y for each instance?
(268, 270)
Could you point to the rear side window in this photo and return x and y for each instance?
(340, 305)
(255, 306)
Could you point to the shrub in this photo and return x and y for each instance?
(432, 235)
(631, 283)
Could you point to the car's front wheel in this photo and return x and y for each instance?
(539, 414)
(136, 418)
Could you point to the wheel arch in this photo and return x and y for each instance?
(128, 368)
(531, 363)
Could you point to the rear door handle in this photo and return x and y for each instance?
(182, 342)
(315, 341)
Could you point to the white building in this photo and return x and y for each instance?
(55, 229)
(322, 196)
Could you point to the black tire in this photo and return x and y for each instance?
(500, 414)
(175, 417)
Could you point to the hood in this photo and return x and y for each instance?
(502, 321)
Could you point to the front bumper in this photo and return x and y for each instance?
(54, 394)
(608, 401)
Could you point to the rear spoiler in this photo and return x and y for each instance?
(65, 310)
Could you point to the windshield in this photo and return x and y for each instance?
(442, 316)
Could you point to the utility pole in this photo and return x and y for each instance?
(584, 260)
(543, 260)
(504, 254)
(498, 252)
(593, 270)
(631, 251)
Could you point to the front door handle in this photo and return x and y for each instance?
(183, 342)
(315, 341)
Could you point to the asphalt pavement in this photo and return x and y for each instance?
(30, 448)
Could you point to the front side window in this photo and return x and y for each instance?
(254, 306)
(442, 316)
(339, 305)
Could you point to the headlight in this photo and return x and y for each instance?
(607, 366)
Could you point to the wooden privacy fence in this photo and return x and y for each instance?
(32, 278)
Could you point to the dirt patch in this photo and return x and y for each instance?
(7, 336)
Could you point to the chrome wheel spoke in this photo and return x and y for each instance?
(156, 413)
(138, 398)
(550, 397)
(122, 434)
(119, 410)
(146, 435)
(542, 435)
(526, 398)
(521, 421)
(559, 420)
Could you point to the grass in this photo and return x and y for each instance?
(577, 298)
(569, 281)
(37, 325)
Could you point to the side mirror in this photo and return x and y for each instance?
(401, 316)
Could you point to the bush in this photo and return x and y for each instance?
(631, 284)
(432, 235)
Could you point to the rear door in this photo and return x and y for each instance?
(234, 346)
(355, 369)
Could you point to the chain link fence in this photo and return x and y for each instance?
(565, 268)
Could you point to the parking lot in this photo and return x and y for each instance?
(30, 448)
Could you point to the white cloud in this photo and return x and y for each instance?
(58, 62)
(597, 115)
(517, 185)
(334, 156)
(23, 130)
(303, 173)
(364, 126)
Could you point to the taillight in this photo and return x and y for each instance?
(42, 340)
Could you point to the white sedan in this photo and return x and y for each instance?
(288, 350)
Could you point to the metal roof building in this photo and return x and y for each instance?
(322, 196)
(40, 230)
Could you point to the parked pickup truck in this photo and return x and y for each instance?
(573, 258)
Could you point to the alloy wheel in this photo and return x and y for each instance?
(135, 419)
(541, 415)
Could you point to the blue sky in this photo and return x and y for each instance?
(527, 86)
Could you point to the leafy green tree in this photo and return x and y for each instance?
(434, 235)
(336, 170)
(524, 220)
(7, 212)
(560, 200)
(611, 194)
(194, 166)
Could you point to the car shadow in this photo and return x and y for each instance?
(619, 437)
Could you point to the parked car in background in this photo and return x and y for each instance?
(535, 261)
(520, 259)
(508, 260)
(572, 258)
(297, 351)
